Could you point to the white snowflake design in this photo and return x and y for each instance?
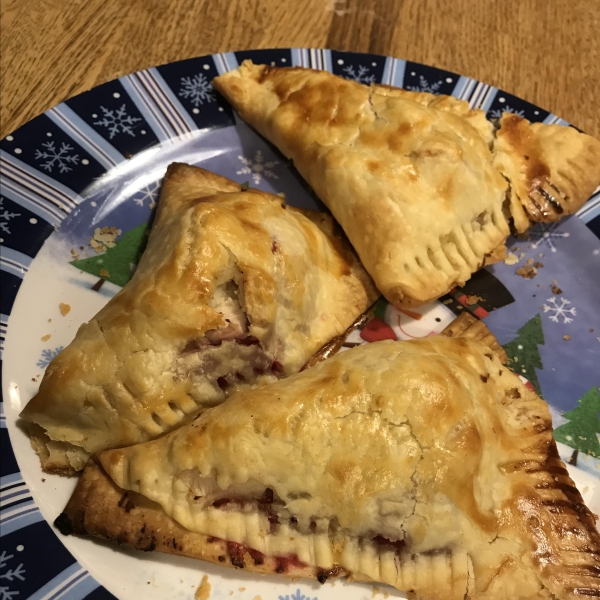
(9, 575)
(297, 596)
(360, 75)
(258, 168)
(117, 121)
(5, 217)
(57, 157)
(148, 192)
(197, 89)
(546, 233)
(559, 308)
(497, 112)
(48, 356)
(425, 86)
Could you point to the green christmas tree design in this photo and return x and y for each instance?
(380, 308)
(523, 353)
(581, 432)
(115, 265)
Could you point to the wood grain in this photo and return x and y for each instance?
(546, 52)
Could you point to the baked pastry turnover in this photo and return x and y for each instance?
(234, 289)
(411, 176)
(425, 465)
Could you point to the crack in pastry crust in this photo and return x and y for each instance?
(412, 184)
(426, 465)
(234, 289)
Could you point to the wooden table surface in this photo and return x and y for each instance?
(545, 51)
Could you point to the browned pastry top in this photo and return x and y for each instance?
(424, 464)
(233, 289)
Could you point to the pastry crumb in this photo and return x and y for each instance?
(104, 273)
(555, 284)
(49, 320)
(75, 254)
(376, 591)
(65, 309)
(46, 337)
(527, 272)
(43, 480)
(203, 591)
(474, 299)
(242, 589)
(231, 593)
(529, 261)
(258, 598)
(538, 265)
(447, 301)
(566, 337)
(555, 289)
(511, 259)
(591, 330)
(104, 238)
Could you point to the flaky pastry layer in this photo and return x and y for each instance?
(426, 465)
(552, 169)
(418, 181)
(411, 183)
(234, 289)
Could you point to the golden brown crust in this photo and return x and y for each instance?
(233, 289)
(475, 117)
(560, 530)
(410, 180)
(469, 327)
(101, 509)
(552, 169)
(424, 464)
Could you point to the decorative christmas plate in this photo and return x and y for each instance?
(79, 184)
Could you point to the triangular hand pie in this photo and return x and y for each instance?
(233, 289)
(411, 176)
(412, 186)
(426, 465)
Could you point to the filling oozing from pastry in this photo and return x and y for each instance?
(425, 465)
(233, 290)
(217, 363)
(251, 500)
(225, 358)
